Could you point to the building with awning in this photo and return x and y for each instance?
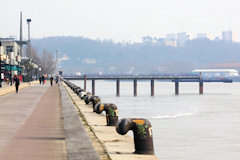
(10, 55)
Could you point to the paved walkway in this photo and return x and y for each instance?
(31, 125)
(4, 84)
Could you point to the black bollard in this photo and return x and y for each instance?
(111, 112)
(80, 92)
(87, 98)
(142, 130)
(77, 89)
(94, 100)
(84, 94)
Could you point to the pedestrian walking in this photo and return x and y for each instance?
(17, 82)
(43, 79)
(40, 80)
(56, 79)
(51, 80)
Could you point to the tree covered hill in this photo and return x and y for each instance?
(78, 54)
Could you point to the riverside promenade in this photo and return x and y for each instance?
(31, 125)
(41, 122)
(36, 124)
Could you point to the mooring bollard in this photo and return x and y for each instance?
(95, 100)
(84, 94)
(142, 130)
(79, 92)
(87, 98)
(77, 89)
(111, 112)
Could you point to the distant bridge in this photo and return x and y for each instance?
(175, 79)
(132, 77)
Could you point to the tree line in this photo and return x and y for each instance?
(150, 56)
(44, 60)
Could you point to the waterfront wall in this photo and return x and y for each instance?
(118, 147)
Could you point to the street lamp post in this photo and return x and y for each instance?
(29, 54)
(29, 43)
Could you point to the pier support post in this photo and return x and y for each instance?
(176, 88)
(85, 82)
(93, 86)
(152, 87)
(135, 87)
(118, 87)
(201, 87)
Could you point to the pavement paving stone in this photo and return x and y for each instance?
(79, 146)
(31, 125)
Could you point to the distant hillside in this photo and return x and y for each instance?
(94, 56)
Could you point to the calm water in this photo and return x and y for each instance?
(185, 127)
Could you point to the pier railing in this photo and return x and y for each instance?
(175, 79)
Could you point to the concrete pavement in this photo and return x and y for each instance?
(79, 146)
(31, 125)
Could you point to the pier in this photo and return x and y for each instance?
(174, 79)
(152, 79)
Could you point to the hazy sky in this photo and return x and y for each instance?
(119, 19)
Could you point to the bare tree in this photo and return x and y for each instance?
(35, 57)
(44, 60)
(48, 63)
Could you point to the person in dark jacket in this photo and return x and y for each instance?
(17, 83)
(51, 80)
(40, 80)
(43, 79)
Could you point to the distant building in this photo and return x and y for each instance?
(160, 41)
(201, 35)
(181, 39)
(235, 36)
(227, 35)
(78, 73)
(216, 72)
(170, 40)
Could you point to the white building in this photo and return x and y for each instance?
(227, 35)
(181, 39)
(170, 40)
(217, 72)
(201, 35)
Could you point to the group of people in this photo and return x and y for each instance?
(42, 80)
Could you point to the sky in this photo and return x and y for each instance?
(119, 20)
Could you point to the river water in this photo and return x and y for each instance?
(187, 126)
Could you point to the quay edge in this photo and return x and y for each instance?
(117, 147)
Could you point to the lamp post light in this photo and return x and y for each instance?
(29, 43)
